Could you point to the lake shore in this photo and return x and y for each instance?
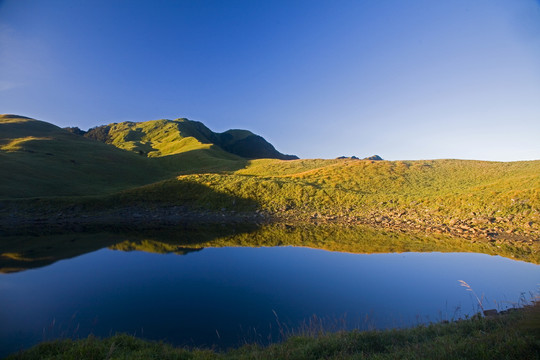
(509, 335)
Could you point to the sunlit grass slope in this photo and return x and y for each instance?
(156, 138)
(159, 138)
(464, 186)
(40, 159)
(438, 190)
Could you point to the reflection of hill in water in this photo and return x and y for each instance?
(152, 246)
(25, 252)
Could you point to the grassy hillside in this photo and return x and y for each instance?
(182, 166)
(155, 138)
(169, 137)
(40, 159)
(468, 196)
(447, 186)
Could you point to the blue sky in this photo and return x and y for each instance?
(417, 79)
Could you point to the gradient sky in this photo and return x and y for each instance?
(416, 79)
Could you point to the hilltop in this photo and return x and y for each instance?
(179, 170)
(168, 137)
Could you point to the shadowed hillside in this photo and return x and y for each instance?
(41, 159)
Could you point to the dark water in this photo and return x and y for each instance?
(227, 296)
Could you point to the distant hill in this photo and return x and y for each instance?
(169, 137)
(373, 157)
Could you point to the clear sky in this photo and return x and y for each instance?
(415, 79)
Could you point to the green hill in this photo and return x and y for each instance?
(169, 137)
(41, 159)
(38, 159)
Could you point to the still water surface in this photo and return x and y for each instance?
(226, 296)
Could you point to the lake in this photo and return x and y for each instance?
(186, 292)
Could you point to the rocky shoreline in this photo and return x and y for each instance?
(479, 229)
(123, 218)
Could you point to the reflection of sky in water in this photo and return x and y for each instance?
(185, 299)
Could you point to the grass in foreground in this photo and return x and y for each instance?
(511, 336)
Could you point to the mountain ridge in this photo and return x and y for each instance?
(164, 137)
